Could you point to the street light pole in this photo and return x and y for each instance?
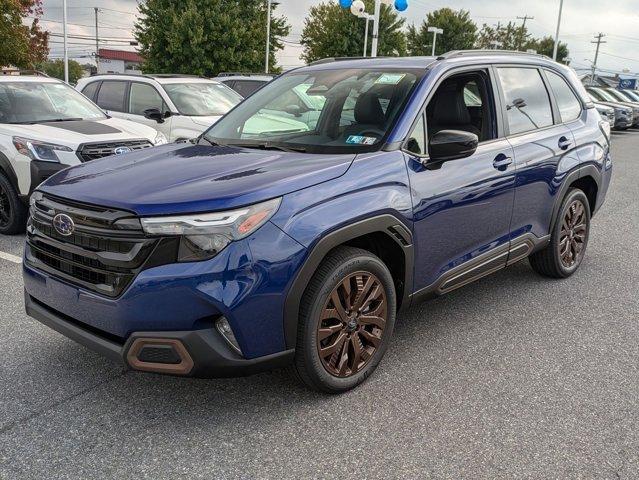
(435, 31)
(268, 34)
(554, 51)
(367, 19)
(66, 50)
(378, 6)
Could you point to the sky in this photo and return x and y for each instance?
(582, 20)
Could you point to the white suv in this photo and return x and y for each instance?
(179, 106)
(46, 126)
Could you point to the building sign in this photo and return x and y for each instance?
(629, 83)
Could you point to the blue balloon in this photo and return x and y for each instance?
(401, 5)
(345, 3)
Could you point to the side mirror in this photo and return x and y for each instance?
(452, 145)
(154, 114)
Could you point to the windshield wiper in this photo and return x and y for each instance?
(271, 146)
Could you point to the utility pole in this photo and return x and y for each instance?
(66, 50)
(554, 51)
(523, 29)
(598, 41)
(268, 34)
(97, 41)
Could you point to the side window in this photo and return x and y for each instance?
(111, 96)
(472, 97)
(417, 139)
(569, 105)
(527, 101)
(89, 90)
(247, 87)
(144, 97)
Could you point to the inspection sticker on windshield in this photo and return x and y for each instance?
(359, 140)
(390, 78)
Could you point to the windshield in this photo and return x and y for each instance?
(30, 102)
(618, 95)
(603, 95)
(634, 96)
(202, 99)
(329, 111)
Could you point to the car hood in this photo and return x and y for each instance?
(74, 133)
(185, 178)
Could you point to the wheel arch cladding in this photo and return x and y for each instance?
(586, 176)
(589, 186)
(384, 235)
(7, 170)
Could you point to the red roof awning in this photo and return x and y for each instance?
(120, 55)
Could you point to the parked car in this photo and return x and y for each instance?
(181, 107)
(631, 95)
(603, 95)
(623, 116)
(242, 253)
(46, 126)
(608, 113)
(246, 84)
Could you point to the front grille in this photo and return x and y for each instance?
(104, 253)
(93, 151)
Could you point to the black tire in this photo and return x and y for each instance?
(549, 261)
(345, 264)
(13, 213)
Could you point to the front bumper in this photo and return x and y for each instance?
(41, 171)
(209, 356)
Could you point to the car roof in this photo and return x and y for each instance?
(258, 78)
(28, 78)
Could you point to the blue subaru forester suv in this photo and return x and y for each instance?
(364, 186)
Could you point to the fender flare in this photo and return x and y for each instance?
(7, 168)
(574, 175)
(387, 224)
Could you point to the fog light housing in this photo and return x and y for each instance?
(223, 326)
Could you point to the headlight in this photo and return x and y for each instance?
(160, 139)
(37, 150)
(204, 235)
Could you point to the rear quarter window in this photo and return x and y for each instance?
(568, 104)
(90, 89)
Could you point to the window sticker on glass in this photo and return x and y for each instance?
(390, 78)
(359, 140)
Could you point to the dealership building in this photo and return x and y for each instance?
(118, 61)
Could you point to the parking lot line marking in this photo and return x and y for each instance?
(10, 258)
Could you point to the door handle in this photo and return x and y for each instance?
(502, 161)
(564, 143)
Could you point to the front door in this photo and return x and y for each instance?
(143, 97)
(462, 208)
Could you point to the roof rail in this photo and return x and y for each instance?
(17, 71)
(172, 75)
(245, 74)
(479, 52)
(339, 59)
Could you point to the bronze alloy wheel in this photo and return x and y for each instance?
(352, 324)
(5, 208)
(572, 240)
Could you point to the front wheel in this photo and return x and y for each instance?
(13, 213)
(346, 321)
(563, 256)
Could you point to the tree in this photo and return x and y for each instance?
(460, 32)
(55, 69)
(331, 31)
(546, 45)
(22, 45)
(205, 37)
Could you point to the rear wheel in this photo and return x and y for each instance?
(13, 213)
(567, 248)
(347, 319)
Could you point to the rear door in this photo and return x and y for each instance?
(111, 97)
(544, 147)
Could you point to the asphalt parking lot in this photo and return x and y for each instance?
(512, 377)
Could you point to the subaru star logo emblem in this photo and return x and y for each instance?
(121, 150)
(63, 224)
